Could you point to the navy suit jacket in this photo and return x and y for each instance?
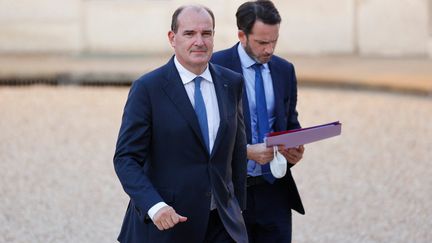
(161, 156)
(285, 95)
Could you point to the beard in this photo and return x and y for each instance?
(256, 58)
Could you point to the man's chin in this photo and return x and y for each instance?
(200, 58)
(264, 59)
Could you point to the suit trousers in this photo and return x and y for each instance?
(268, 213)
(216, 232)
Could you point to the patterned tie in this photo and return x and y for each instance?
(262, 117)
(201, 112)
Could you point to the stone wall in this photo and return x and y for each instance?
(388, 28)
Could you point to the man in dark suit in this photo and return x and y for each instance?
(269, 200)
(181, 149)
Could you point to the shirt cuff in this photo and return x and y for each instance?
(153, 210)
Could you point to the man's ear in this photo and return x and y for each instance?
(171, 36)
(242, 37)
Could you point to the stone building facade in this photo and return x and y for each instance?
(383, 28)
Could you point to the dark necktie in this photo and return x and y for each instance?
(201, 112)
(262, 117)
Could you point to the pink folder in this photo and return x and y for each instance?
(294, 138)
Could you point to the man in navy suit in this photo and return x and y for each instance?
(181, 150)
(269, 200)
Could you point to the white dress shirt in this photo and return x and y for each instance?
(209, 94)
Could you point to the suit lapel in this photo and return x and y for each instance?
(174, 89)
(221, 87)
(277, 79)
(235, 61)
(236, 67)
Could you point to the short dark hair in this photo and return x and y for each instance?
(249, 12)
(174, 19)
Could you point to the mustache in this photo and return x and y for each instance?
(267, 56)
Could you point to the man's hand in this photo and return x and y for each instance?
(167, 218)
(260, 153)
(293, 155)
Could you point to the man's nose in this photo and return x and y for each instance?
(199, 41)
(269, 48)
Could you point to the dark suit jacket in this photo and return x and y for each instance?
(285, 92)
(161, 156)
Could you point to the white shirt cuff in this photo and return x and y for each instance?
(153, 210)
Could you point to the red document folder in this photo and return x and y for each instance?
(296, 137)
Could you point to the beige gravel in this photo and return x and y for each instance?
(371, 184)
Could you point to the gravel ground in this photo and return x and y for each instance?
(371, 184)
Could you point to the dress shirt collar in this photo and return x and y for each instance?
(187, 76)
(245, 59)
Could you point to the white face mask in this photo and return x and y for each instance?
(278, 166)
